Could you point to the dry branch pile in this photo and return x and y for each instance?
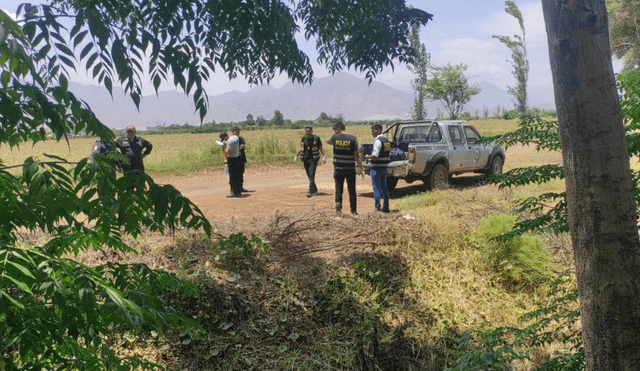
(307, 231)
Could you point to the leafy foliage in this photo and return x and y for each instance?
(519, 60)
(624, 17)
(54, 306)
(450, 86)
(182, 42)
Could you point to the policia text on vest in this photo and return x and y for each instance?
(345, 158)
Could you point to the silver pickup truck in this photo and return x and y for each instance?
(431, 151)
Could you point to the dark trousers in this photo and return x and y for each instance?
(241, 175)
(235, 174)
(310, 168)
(350, 175)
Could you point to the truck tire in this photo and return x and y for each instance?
(496, 167)
(391, 183)
(438, 178)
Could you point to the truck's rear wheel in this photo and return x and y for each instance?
(391, 183)
(496, 167)
(438, 178)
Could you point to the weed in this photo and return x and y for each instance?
(523, 260)
(240, 253)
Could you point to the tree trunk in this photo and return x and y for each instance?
(600, 199)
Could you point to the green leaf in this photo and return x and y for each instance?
(5, 77)
(19, 284)
(78, 39)
(12, 300)
(63, 48)
(22, 269)
(64, 83)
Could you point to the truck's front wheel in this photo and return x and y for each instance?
(438, 178)
(391, 183)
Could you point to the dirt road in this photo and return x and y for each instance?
(270, 189)
(280, 188)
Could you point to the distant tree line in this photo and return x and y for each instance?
(502, 113)
(259, 123)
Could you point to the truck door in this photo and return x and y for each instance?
(480, 151)
(461, 156)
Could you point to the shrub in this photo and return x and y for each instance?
(239, 252)
(522, 259)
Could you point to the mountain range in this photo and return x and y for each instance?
(352, 97)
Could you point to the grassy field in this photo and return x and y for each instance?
(186, 153)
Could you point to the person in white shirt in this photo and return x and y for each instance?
(234, 163)
(379, 159)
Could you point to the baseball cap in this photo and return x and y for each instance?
(131, 127)
(376, 126)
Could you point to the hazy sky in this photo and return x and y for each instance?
(461, 32)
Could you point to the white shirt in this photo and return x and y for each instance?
(233, 144)
(377, 146)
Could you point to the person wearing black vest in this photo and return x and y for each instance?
(243, 155)
(311, 147)
(345, 157)
(135, 149)
(379, 159)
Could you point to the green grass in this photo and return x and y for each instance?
(182, 154)
(523, 260)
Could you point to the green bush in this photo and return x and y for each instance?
(522, 259)
(238, 252)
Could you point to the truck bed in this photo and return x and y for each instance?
(404, 147)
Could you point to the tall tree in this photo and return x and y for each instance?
(278, 118)
(419, 68)
(624, 29)
(451, 87)
(55, 311)
(602, 214)
(250, 121)
(519, 60)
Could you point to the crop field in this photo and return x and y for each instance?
(182, 154)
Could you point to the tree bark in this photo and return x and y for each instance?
(600, 198)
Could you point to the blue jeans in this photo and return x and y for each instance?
(310, 167)
(380, 191)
